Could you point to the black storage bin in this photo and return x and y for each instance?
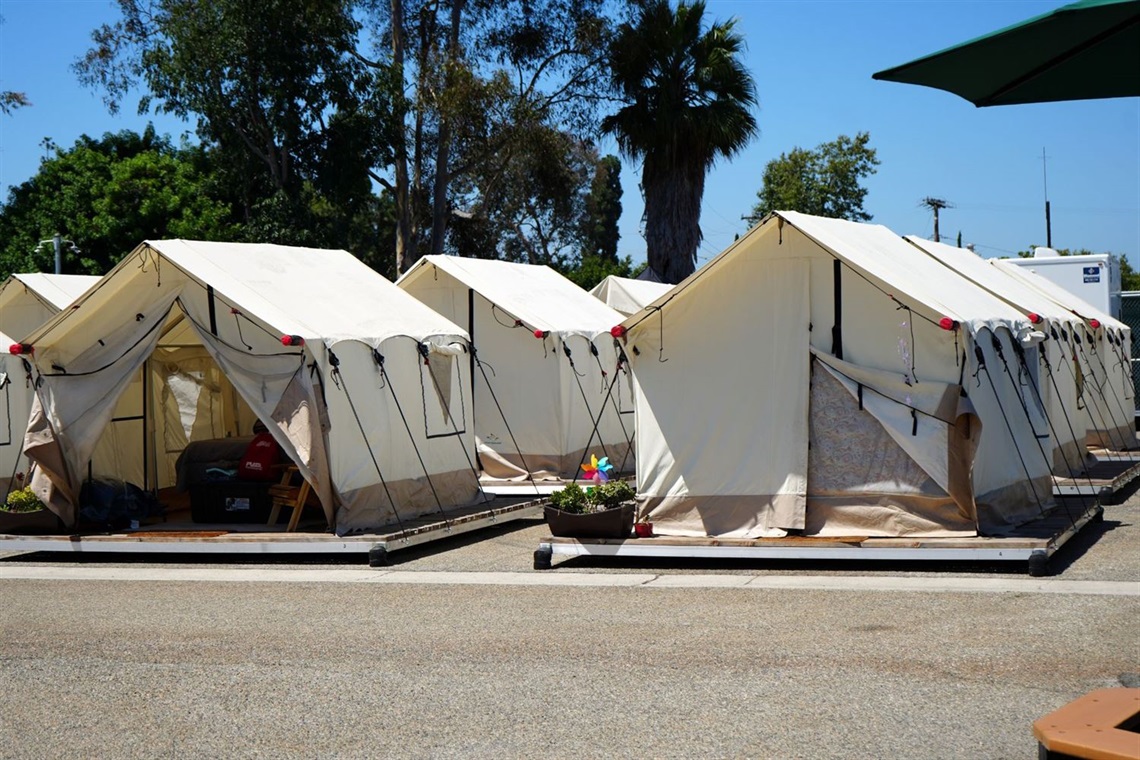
(230, 501)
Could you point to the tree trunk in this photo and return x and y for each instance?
(443, 156)
(400, 111)
(672, 219)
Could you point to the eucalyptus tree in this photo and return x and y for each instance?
(687, 101)
(275, 86)
(484, 82)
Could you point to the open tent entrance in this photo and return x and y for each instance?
(179, 431)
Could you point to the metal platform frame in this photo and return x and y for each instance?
(225, 539)
(1112, 473)
(1033, 546)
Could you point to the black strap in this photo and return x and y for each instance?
(837, 327)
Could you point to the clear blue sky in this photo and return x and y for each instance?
(812, 62)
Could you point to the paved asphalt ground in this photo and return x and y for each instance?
(455, 652)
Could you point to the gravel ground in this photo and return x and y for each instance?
(241, 669)
(102, 669)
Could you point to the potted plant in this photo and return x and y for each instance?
(23, 512)
(602, 510)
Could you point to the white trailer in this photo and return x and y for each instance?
(1092, 277)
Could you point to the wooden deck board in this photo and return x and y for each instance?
(197, 537)
(1041, 537)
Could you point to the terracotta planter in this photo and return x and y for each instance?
(39, 522)
(612, 523)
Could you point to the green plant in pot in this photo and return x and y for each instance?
(23, 501)
(604, 510)
(23, 512)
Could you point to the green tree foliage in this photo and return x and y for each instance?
(10, 101)
(688, 101)
(490, 82)
(279, 94)
(107, 196)
(590, 270)
(600, 233)
(532, 207)
(825, 181)
(313, 103)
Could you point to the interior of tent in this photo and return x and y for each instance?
(546, 399)
(762, 408)
(180, 430)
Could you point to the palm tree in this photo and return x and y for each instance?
(688, 102)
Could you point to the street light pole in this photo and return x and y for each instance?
(57, 241)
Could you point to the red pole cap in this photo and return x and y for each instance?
(1094, 323)
(292, 340)
(541, 334)
(618, 331)
(946, 323)
(1035, 318)
(20, 348)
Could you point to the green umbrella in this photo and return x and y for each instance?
(1089, 49)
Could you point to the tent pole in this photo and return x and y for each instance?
(471, 362)
(146, 425)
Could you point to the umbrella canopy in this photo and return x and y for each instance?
(1085, 50)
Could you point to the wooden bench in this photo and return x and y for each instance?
(1101, 725)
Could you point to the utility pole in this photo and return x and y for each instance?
(1045, 183)
(935, 205)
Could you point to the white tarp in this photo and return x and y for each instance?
(628, 295)
(1104, 351)
(726, 397)
(536, 398)
(1057, 378)
(26, 302)
(353, 405)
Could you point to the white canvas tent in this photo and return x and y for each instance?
(546, 370)
(1057, 379)
(628, 295)
(361, 385)
(1104, 352)
(826, 377)
(26, 302)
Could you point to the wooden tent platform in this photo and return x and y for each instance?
(1112, 473)
(176, 535)
(1033, 543)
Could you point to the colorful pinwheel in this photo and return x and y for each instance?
(598, 470)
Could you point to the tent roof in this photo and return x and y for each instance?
(58, 290)
(996, 281)
(875, 251)
(54, 291)
(327, 295)
(537, 295)
(628, 295)
(1071, 303)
